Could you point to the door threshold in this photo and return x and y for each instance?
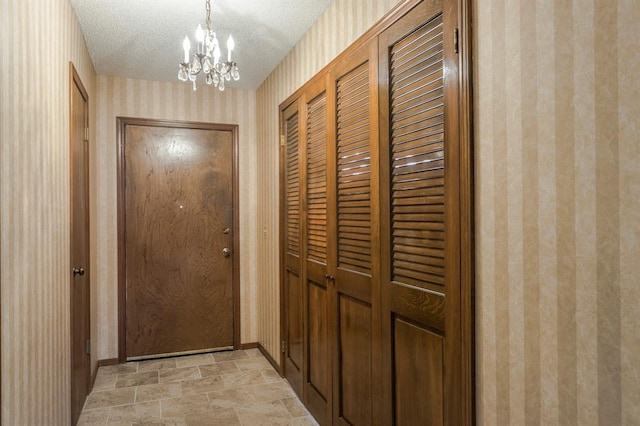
(183, 353)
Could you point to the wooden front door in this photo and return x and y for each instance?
(178, 222)
(79, 273)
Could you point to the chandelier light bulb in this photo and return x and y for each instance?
(186, 45)
(200, 34)
(230, 45)
(200, 38)
(216, 54)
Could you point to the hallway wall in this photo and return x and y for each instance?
(127, 97)
(339, 26)
(38, 39)
(558, 212)
(557, 153)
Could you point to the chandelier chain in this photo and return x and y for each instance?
(208, 6)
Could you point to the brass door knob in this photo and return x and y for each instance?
(226, 252)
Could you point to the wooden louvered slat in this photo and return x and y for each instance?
(317, 179)
(292, 183)
(353, 170)
(417, 157)
(292, 187)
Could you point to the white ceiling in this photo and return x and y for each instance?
(143, 38)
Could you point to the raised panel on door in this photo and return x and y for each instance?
(295, 330)
(417, 367)
(420, 213)
(354, 266)
(293, 286)
(355, 364)
(317, 372)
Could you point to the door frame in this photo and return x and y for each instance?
(74, 80)
(121, 125)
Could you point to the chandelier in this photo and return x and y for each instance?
(206, 58)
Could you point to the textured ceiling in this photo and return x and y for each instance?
(143, 38)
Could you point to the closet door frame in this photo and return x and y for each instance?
(465, 358)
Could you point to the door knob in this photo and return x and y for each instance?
(78, 271)
(226, 252)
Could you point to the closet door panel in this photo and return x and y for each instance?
(419, 358)
(355, 268)
(355, 348)
(293, 289)
(319, 359)
(420, 249)
(317, 375)
(295, 324)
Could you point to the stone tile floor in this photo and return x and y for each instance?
(222, 388)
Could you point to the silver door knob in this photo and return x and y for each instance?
(226, 252)
(78, 271)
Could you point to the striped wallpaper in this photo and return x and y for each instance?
(557, 104)
(172, 101)
(557, 101)
(38, 39)
(340, 25)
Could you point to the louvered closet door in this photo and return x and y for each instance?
(293, 291)
(354, 264)
(317, 349)
(420, 246)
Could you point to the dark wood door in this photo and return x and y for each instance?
(354, 249)
(80, 329)
(178, 243)
(317, 349)
(292, 288)
(420, 177)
